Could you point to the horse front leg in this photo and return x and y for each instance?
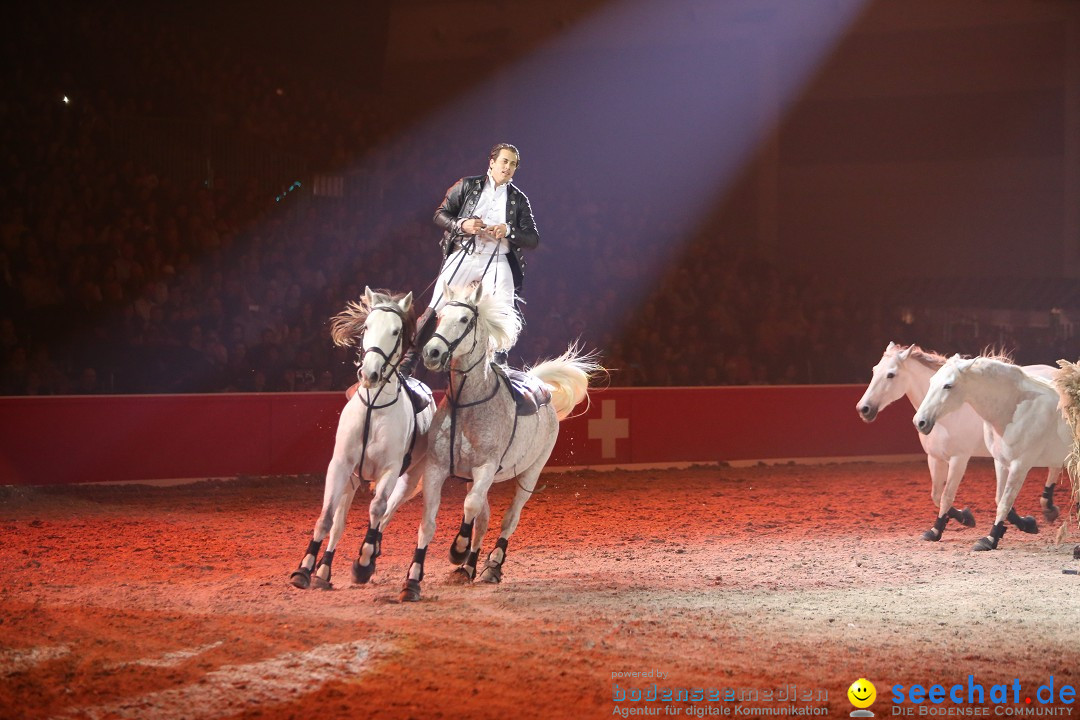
(337, 482)
(1051, 512)
(321, 579)
(363, 566)
(1010, 480)
(954, 473)
(467, 570)
(476, 504)
(433, 482)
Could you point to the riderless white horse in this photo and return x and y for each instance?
(1021, 422)
(482, 432)
(381, 435)
(955, 439)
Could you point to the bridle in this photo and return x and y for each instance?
(371, 403)
(453, 396)
(389, 366)
(469, 330)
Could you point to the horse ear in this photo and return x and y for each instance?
(891, 346)
(477, 293)
(369, 296)
(406, 302)
(905, 353)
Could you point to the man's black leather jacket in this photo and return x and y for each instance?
(459, 205)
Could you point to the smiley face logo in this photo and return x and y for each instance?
(862, 693)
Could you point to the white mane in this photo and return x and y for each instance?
(500, 320)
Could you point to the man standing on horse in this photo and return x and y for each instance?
(487, 222)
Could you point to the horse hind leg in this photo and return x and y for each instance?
(363, 567)
(1051, 512)
(493, 566)
(1026, 524)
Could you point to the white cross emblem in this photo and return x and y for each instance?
(608, 428)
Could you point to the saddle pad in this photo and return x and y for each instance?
(529, 393)
(419, 394)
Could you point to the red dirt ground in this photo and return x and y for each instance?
(172, 602)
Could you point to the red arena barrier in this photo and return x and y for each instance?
(55, 440)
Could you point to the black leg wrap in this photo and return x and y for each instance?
(411, 590)
(964, 517)
(418, 558)
(990, 542)
(934, 533)
(1024, 524)
(472, 559)
(318, 582)
(1050, 511)
(301, 577)
(465, 531)
(493, 570)
(374, 537)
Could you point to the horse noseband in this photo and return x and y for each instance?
(452, 346)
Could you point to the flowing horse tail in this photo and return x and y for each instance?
(568, 376)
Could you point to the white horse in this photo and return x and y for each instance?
(479, 434)
(1021, 422)
(380, 434)
(955, 439)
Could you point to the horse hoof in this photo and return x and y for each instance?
(362, 573)
(411, 591)
(1028, 525)
(985, 543)
(301, 578)
(1051, 513)
(319, 584)
(462, 576)
(967, 519)
(932, 535)
(458, 557)
(492, 574)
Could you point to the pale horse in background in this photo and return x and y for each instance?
(954, 440)
(1022, 425)
(381, 435)
(481, 433)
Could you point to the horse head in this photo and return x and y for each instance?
(888, 383)
(458, 328)
(388, 330)
(946, 393)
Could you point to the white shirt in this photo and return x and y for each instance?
(491, 209)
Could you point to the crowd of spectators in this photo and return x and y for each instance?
(119, 277)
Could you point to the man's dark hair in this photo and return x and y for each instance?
(504, 146)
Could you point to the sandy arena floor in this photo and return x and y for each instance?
(146, 602)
